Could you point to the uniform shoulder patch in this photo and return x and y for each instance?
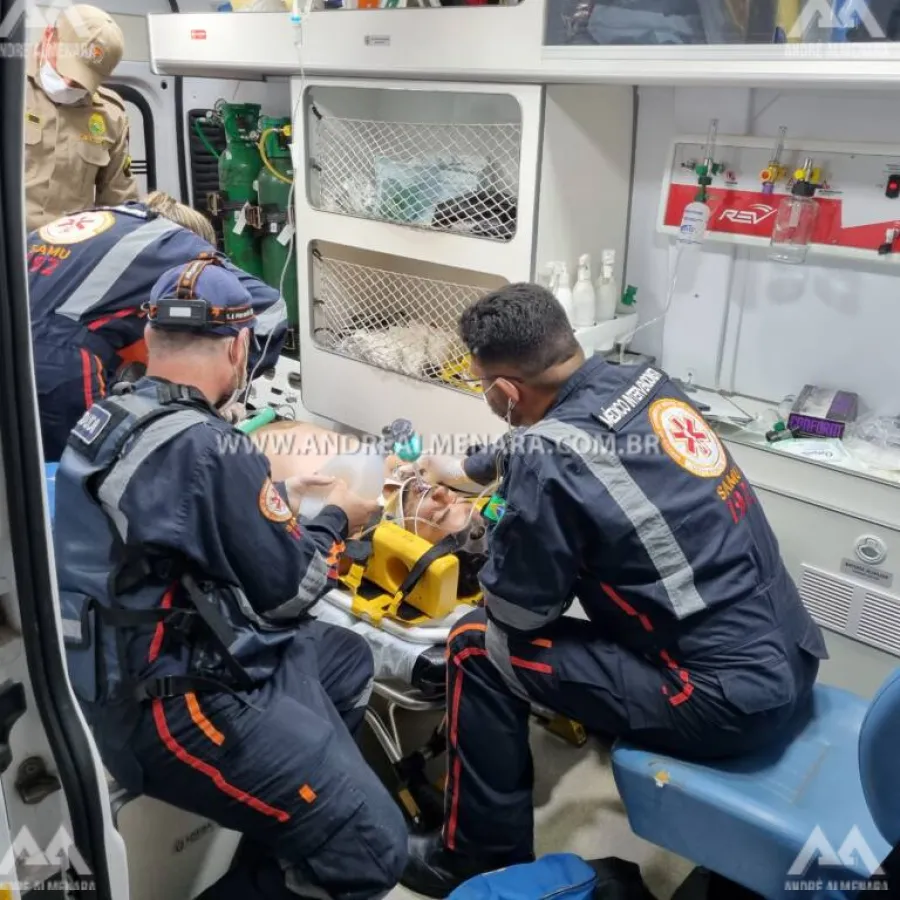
(272, 505)
(687, 438)
(91, 425)
(78, 227)
(97, 125)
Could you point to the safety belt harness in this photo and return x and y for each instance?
(181, 621)
(444, 547)
(360, 551)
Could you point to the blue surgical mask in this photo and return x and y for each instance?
(57, 90)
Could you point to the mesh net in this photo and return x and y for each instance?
(402, 323)
(461, 178)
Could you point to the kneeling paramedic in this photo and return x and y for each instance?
(185, 579)
(89, 274)
(617, 492)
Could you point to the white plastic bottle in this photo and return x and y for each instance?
(607, 297)
(583, 300)
(547, 276)
(564, 292)
(607, 289)
(694, 220)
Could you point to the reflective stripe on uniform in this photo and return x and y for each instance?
(314, 583)
(92, 291)
(519, 618)
(497, 645)
(151, 438)
(674, 570)
(268, 320)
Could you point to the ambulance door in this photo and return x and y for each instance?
(54, 806)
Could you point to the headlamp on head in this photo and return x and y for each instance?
(180, 299)
(171, 312)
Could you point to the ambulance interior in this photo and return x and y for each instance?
(386, 163)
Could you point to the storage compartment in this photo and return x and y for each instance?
(666, 23)
(393, 313)
(443, 161)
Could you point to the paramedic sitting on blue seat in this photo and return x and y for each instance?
(89, 274)
(185, 580)
(616, 492)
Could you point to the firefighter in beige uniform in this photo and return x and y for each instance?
(76, 132)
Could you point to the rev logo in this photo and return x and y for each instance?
(848, 14)
(852, 854)
(752, 215)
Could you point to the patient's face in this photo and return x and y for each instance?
(435, 513)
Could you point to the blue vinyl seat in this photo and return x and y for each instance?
(821, 812)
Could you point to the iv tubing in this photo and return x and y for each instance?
(671, 293)
(204, 139)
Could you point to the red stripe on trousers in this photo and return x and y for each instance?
(450, 837)
(87, 379)
(683, 674)
(543, 668)
(156, 643)
(162, 728)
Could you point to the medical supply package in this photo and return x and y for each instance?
(822, 412)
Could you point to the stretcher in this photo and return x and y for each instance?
(401, 596)
(400, 593)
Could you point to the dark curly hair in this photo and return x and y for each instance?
(520, 326)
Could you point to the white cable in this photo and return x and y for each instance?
(671, 293)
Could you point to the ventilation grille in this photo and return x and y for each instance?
(879, 622)
(852, 609)
(204, 164)
(828, 598)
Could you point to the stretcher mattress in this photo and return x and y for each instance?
(412, 656)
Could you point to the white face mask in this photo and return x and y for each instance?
(57, 90)
(241, 377)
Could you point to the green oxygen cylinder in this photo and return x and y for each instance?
(238, 169)
(279, 259)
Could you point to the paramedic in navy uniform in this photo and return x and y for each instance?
(618, 493)
(89, 274)
(185, 581)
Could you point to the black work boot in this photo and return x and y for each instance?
(435, 871)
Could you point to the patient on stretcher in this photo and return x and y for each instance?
(433, 513)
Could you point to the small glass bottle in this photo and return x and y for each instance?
(795, 221)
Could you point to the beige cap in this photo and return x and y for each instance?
(90, 45)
